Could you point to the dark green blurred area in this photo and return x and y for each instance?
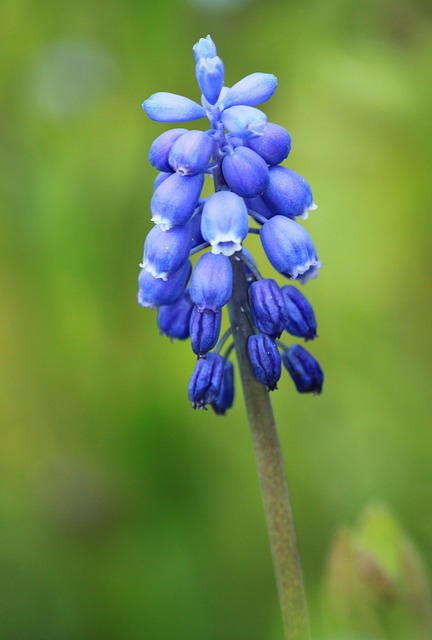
(124, 513)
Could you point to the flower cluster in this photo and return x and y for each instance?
(243, 153)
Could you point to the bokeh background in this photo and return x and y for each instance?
(124, 513)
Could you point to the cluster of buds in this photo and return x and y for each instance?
(243, 153)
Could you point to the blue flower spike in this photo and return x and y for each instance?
(243, 153)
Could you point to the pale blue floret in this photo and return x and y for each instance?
(288, 193)
(190, 154)
(210, 77)
(211, 282)
(170, 107)
(154, 292)
(224, 222)
(166, 251)
(245, 172)
(204, 48)
(244, 121)
(251, 90)
(289, 248)
(175, 200)
(161, 147)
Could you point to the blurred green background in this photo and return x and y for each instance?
(124, 513)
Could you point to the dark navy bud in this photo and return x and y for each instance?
(303, 369)
(224, 222)
(175, 200)
(154, 292)
(265, 360)
(289, 248)
(205, 383)
(245, 172)
(161, 147)
(169, 107)
(204, 48)
(191, 153)
(210, 77)
(251, 90)
(225, 398)
(211, 282)
(244, 122)
(288, 194)
(273, 146)
(204, 330)
(301, 317)
(166, 251)
(268, 307)
(161, 177)
(173, 319)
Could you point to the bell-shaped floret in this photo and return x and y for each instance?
(175, 200)
(204, 330)
(161, 147)
(301, 317)
(154, 292)
(206, 381)
(265, 360)
(251, 90)
(166, 251)
(244, 122)
(225, 398)
(288, 194)
(269, 312)
(191, 153)
(204, 48)
(173, 319)
(289, 248)
(273, 146)
(305, 371)
(210, 77)
(211, 282)
(245, 172)
(170, 107)
(224, 222)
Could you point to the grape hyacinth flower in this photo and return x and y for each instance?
(253, 194)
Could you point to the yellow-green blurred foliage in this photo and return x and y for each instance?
(124, 513)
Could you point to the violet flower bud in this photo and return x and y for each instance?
(303, 369)
(265, 360)
(268, 307)
(245, 172)
(205, 383)
(211, 282)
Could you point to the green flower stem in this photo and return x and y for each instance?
(271, 471)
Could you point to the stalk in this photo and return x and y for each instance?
(271, 471)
